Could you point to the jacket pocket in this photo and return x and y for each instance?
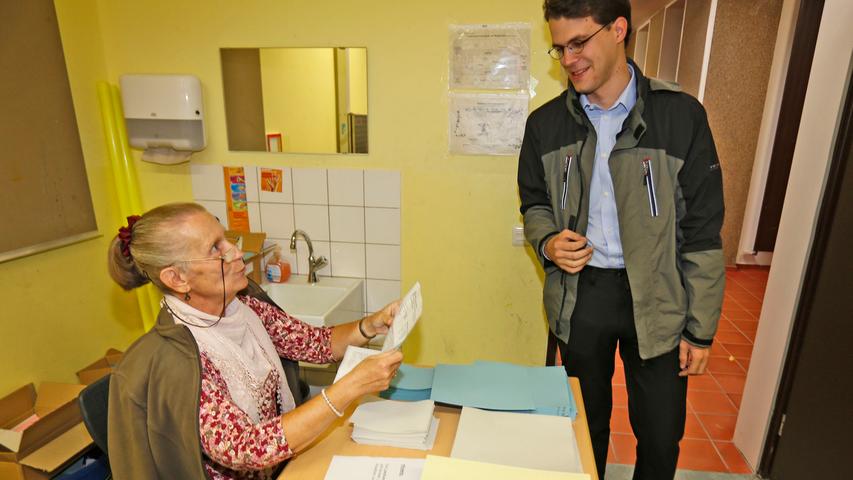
(649, 183)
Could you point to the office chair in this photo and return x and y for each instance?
(93, 407)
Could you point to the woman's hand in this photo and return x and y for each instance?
(374, 373)
(379, 322)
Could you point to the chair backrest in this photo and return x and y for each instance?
(93, 408)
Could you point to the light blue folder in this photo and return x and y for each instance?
(413, 378)
(488, 385)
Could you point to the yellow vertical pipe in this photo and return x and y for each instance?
(149, 292)
(127, 204)
(125, 157)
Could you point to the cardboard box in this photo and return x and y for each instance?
(54, 440)
(100, 367)
(252, 245)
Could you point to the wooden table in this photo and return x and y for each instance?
(313, 462)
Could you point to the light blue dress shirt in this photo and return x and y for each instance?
(603, 229)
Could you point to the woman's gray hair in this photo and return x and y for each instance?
(156, 242)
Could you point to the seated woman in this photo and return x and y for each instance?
(204, 394)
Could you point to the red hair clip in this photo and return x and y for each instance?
(125, 234)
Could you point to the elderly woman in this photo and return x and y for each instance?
(204, 394)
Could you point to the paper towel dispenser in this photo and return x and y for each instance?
(164, 116)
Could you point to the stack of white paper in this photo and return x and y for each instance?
(395, 424)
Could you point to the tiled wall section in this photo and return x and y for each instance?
(352, 217)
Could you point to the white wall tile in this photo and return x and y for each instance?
(309, 186)
(286, 194)
(207, 181)
(277, 219)
(217, 209)
(381, 293)
(255, 217)
(382, 225)
(346, 187)
(348, 260)
(313, 220)
(346, 224)
(383, 262)
(382, 188)
(320, 249)
(251, 183)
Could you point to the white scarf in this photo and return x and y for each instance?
(240, 347)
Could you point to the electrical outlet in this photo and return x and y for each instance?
(518, 236)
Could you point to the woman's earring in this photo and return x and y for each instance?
(187, 297)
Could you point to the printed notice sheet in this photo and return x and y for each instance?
(490, 124)
(490, 56)
(374, 468)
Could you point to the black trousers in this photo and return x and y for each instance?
(603, 319)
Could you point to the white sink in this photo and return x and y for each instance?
(330, 301)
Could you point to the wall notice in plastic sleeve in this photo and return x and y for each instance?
(487, 124)
(490, 56)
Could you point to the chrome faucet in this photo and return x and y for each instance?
(314, 264)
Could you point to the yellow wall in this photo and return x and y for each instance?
(357, 80)
(482, 295)
(60, 310)
(299, 97)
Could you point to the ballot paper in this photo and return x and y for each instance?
(444, 468)
(407, 316)
(374, 468)
(542, 442)
(395, 424)
(352, 357)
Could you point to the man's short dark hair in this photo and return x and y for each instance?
(602, 11)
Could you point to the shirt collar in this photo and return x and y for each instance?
(626, 100)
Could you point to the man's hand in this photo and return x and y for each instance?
(569, 251)
(692, 359)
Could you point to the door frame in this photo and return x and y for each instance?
(829, 203)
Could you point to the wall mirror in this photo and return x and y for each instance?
(305, 100)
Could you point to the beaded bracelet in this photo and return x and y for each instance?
(329, 403)
(363, 334)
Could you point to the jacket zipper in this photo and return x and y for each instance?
(649, 183)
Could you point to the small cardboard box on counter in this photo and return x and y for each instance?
(100, 367)
(40, 431)
(252, 245)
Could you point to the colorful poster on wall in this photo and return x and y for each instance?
(236, 201)
(271, 179)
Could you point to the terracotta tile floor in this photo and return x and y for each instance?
(713, 400)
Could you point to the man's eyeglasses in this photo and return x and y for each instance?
(574, 47)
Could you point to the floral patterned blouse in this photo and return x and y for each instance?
(234, 446)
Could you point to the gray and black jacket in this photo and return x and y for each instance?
(669, 197)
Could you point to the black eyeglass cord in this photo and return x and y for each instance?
(221, 314)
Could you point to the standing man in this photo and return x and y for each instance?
(622, 198)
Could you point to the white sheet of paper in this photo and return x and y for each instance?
(352, 357)
(544, 442)
(374, 468)
(411, 307)
(493, 56)
(486, 124)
